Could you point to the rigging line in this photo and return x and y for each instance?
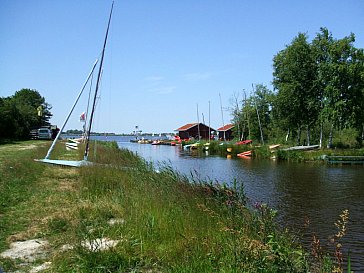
(72, 108)
(87, 109)
(97, 86)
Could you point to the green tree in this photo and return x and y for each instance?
(20, 113)
(295, 78)
(340, 81)
(10, 119)
(245, 118)
(262, 100)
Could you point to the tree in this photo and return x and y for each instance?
(29, 101)
(295, 78)
(340, 81)
(246, 118)
(262, 101)
(20, 113)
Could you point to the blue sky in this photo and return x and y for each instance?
(162, 58)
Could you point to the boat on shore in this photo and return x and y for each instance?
(244, 142)
(245, 154)
(301, 148)
(274, 146)
(85, 161)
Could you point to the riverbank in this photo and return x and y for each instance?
(276, 152)
(123, 216)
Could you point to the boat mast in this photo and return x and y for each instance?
(198, 124)
(73, 107)
(256, 107)
(209, 124)
(222, 117)
(97, 87)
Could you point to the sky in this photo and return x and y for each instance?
(167, 63)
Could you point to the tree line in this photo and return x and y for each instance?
(318, 90)
(22, 112)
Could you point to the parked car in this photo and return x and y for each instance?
(44, 133)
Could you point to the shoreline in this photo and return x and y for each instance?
(161, 222)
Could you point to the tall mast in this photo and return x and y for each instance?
(222, 117)
(209, 124)
(97, 87)
(198, 124)
(256, 107)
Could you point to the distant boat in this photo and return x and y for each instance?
(301, 148)
(244, 142)
(245, 154)
(144, 141)
(274, 146)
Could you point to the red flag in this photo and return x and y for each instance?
(83, 116)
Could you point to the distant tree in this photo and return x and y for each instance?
(33, 105)
(245, 116)
(74, 132)
(262, 102)
(25, 110)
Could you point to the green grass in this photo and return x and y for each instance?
(163, 222)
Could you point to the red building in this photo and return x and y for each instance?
(226, 132)
(191, 130)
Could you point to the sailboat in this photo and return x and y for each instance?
(84, 161)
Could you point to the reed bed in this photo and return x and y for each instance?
(122, 215)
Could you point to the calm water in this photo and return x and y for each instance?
(300, 192)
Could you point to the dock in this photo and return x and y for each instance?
(344, 159)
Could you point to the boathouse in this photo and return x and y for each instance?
(226, 132)
(191, 130)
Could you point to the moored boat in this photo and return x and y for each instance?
(274, 146)
(244, 142)
(245, 154)
(302, 148)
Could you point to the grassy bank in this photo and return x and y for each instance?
(123, 216)
(264, 152)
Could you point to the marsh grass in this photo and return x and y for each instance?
(161, 220)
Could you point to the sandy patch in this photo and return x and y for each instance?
(41, 267)
(27, 250)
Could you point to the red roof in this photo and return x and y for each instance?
(226, 127)
(186, 127)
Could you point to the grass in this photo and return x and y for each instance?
(161, 221)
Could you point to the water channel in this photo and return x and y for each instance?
(301, 192)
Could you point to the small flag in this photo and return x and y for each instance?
(83, 116)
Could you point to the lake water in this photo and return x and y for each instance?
(301, 192)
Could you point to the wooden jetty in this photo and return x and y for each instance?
(344, 159)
